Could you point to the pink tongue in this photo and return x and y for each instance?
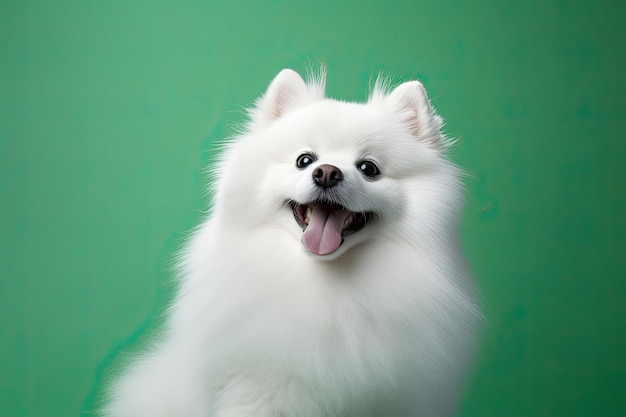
(323, 234)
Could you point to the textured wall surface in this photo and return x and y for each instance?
(109, 112)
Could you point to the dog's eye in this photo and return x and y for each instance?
(305, 160)
(368, 168)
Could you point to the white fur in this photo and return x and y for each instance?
(259, 327)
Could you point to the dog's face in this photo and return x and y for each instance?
(335, 174)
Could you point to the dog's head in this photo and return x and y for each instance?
(336, 174)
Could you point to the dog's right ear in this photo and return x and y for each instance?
(286, 92)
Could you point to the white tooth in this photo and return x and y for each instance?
(348, 221)
(307, 215)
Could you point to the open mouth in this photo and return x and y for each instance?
(325, 225)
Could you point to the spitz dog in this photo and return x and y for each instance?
(327, 280)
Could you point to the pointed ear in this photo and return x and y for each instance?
(411, 103)
(286, 92)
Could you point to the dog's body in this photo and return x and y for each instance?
(327, 280)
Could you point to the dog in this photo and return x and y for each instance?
(327, 279)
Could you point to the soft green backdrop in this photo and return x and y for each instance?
(108, 113)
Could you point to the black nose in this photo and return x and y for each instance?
(327, 176)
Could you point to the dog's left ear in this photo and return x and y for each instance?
(411, 102)
(286, 92)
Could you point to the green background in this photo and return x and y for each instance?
(108, 115)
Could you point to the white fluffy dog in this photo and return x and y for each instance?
(327, 280)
